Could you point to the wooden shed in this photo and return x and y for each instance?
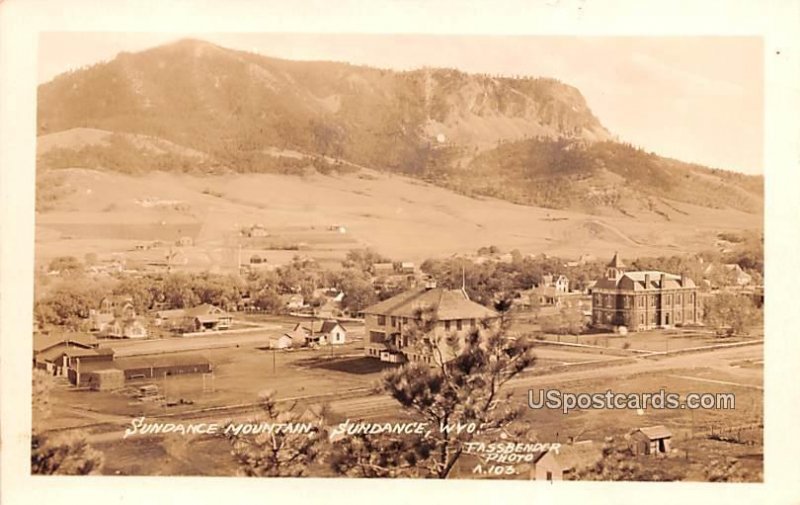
(107, 379)
(653, 440)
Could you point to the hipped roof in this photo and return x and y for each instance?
(448, 304)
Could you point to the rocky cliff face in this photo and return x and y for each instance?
(193, 91)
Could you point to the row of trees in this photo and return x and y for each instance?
(731, 313)
(69, 300)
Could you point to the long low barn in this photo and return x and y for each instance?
(143, 367)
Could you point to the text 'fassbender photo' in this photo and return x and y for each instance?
(452, 257)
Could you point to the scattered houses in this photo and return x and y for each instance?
(643, 300)
(184, 241)
(293, 301)
(115, 304)
(731, 272)
(390, 325)
(559, 283)
(554, 293)
(329, 332)
(255, 231)
(327, 302)
(204, 317)
(116, 317)
(408, 268)
(127, 327)
(383, 269)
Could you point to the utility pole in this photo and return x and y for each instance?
(313, 318)
(165, 390)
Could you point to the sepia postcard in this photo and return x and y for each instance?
(369, 256)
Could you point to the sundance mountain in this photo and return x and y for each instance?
(195, 107)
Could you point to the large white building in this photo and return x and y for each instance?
(393, 324)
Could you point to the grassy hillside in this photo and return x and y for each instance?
(568, 174)
(402, 218)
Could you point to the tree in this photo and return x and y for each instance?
(466, 391)
(568, 320)
(68, 454)
(222, 290)
(358, 291)
(363, 259)
(729, 470)
(70, 303)
(279, 453)
(140, 289)
(730, 313)
(371, 456)
(178, 292)
(269, 301)
(66, 265)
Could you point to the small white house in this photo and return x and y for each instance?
(285, 341)
(560, 283)
(330, 332)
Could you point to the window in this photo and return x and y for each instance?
(394, 321)
(447, 326)
(641, 318)
(679, 299)
(472, 323)
(381, 320)
(458, 325)
(669, 299)
(627, 302)
(641, 301)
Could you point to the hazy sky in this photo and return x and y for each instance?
(697, 99)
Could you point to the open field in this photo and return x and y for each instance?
(402, 218)
(243, 369)
(719, 371)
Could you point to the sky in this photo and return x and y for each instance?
(697, 99)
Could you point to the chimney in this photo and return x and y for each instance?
(663, 280)
(683, 279)
(647, 281)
